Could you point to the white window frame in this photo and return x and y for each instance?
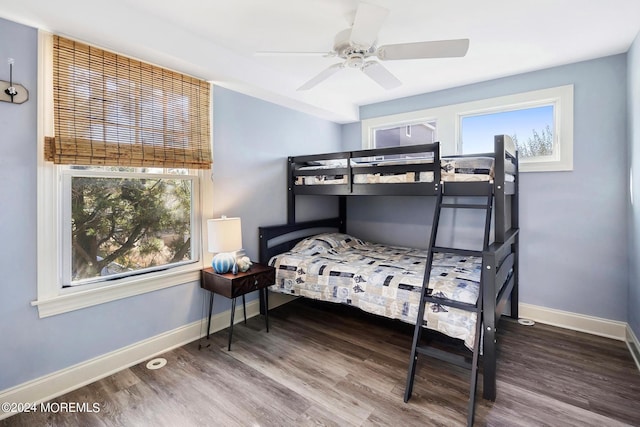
(52, 299)
(449, 124)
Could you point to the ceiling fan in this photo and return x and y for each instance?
(357, 45)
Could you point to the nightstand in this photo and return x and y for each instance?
(231, 286)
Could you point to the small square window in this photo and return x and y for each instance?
(409, 134)
(423, 132)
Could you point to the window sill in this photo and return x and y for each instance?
(86, 298)
(546, 166)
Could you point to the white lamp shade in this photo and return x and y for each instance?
(225, 234)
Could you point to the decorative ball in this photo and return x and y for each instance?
(244, 263)
(223, 262)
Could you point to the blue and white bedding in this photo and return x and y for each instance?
(380, 279)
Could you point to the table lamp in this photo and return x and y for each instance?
(225, 239)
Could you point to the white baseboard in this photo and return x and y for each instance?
(574, 321)
(634, 346)
(58, 383)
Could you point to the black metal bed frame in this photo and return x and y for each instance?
(500, 259)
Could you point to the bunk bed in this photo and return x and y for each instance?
(418, 171)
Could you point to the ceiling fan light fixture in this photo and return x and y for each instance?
(355, 60)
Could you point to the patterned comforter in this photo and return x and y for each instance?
(380, 279)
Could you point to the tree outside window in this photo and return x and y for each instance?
(120, 225)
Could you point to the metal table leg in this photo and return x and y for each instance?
(244, 309)
(266, 307)
(210, 310)
(233, 312)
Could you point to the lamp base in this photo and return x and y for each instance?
(223, 262)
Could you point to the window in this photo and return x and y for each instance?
(122, 186)
(541, 122)
(407, 134)
(412, 133)
(122, 222)
(532, 130)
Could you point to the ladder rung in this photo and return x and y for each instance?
(464, 252)
(464, 206)
(467, 189)
(455, 359)
(450, 303)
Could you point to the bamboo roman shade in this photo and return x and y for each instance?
(115, 111)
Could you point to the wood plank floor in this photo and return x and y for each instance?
(336, 366)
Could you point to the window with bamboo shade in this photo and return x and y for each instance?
(112, 110)
(124, 182)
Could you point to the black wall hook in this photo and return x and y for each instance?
(16, 94)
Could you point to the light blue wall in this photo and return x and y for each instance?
(633, 97)
(351, 136)
(252, 140)
(573, 224)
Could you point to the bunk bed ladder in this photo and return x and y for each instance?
(426, 298)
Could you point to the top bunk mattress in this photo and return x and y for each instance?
(381, 279)
(453, 169)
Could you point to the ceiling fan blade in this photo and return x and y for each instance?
(325, 74)
(380, 75)
(423, 50)
(367, 24)
(282, 53)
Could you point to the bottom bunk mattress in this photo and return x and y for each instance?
(381, 279)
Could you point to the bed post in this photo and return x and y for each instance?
(499, 190)
(437, 170)
(342, 213)
(291, 197)
(515, 297)
(515, 206)
(490, 264)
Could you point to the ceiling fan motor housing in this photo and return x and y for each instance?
(354, 56)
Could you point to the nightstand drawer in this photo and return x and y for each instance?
(253, 283)
(234, 285)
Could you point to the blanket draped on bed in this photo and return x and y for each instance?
(381, 279)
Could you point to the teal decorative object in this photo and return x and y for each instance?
(223, 262)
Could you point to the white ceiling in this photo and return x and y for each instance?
(216, 40)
